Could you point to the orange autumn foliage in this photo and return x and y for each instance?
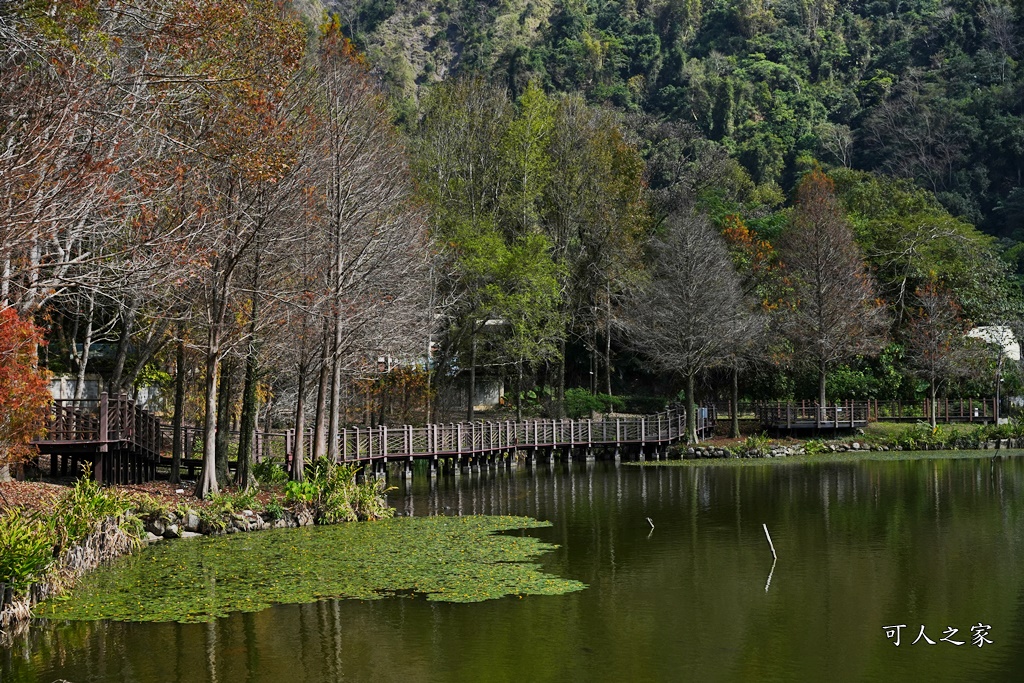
(24, 396)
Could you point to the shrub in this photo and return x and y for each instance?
(80, 511)
(331, 493)
(26, 549)
(275, 509)
(269, 473)
(581, 403)
(755, 443)
(815, 447)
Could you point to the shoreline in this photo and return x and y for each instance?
(86, 526)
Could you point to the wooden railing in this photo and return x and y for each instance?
(848, 415)
(482, 437)
(103, 421)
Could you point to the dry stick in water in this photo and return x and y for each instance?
(770, 544)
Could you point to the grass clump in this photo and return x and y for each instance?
(330, 492)
(26, 549)
(30, 544)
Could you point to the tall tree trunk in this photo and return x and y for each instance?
(822, 377)
(5, 282)
(247, 429)
(223, 438)
(608, 341)
(519, 391)
(299, 453)
(471, 398)
(691, 410)
(83, 358)
(207, 483)
(127, 323)
(335, 413)
(934, 391)
(560, 392)
(320, 420)
(179, 407)
(735, 401)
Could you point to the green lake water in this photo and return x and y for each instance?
(862, 544)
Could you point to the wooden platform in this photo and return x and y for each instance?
(121, 441)
(795, 417)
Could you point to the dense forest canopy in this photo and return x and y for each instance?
(925, 90)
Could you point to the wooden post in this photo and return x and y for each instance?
(104, 419)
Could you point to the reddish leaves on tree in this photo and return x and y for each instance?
(24, 396)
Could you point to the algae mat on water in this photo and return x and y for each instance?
(455, 559)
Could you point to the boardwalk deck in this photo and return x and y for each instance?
(481, 439)
(793, 417)
(469, 441)
(124, 442)
(121, 441)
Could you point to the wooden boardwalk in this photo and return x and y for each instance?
(120, 440)
(124, 442)
(800, 417)
(641, 435)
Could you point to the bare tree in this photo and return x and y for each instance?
(377, 272)
(687, 315)
(835, 313)
(936, 345)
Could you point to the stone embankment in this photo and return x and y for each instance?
(191, 525)
(781, 451)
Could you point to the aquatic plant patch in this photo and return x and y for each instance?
(454, 559)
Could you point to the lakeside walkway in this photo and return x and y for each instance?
(125, 443)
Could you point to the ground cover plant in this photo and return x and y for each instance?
(453, 559)
(31, 543)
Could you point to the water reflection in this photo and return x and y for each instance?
(929, 542)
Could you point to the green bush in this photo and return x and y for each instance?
(815, 446)
(275, 509)
(80, 510)
(269, 473)
(580, 403)
(331, 493)
(26, 549)
(755, 443)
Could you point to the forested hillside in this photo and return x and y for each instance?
(926, 90)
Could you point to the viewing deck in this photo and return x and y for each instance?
(121, 441)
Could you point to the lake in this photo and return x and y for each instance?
(935, 542)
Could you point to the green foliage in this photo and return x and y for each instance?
(30, 543)
(79, 511)
(758, 444)
(275, 509)
(581, 403)
(228, 502)
(815, 446)
(26, 549)
(331, 493)
(269, 473)
(452, 559)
